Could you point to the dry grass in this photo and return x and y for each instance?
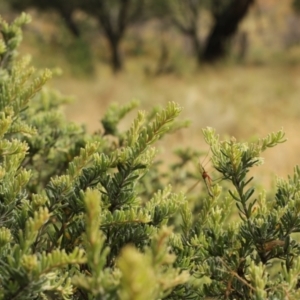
(239, 101)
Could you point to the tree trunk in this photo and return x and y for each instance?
(225, 27)
(67, 16)
(116, 61)
(197, 47)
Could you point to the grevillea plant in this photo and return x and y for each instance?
(85, 216)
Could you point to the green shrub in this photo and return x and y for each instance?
(89, 217)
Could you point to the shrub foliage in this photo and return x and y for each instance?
(90, 217)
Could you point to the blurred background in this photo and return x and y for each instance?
(231, 64)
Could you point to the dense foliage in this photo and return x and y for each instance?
(81, 216)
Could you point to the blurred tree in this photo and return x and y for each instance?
(296, 5)
(226, 21)
(64, 8)
(114, 17)
(185, 15)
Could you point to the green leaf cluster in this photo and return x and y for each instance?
(92, 216)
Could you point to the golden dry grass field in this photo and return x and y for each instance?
(245, 100)
(239, 101)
